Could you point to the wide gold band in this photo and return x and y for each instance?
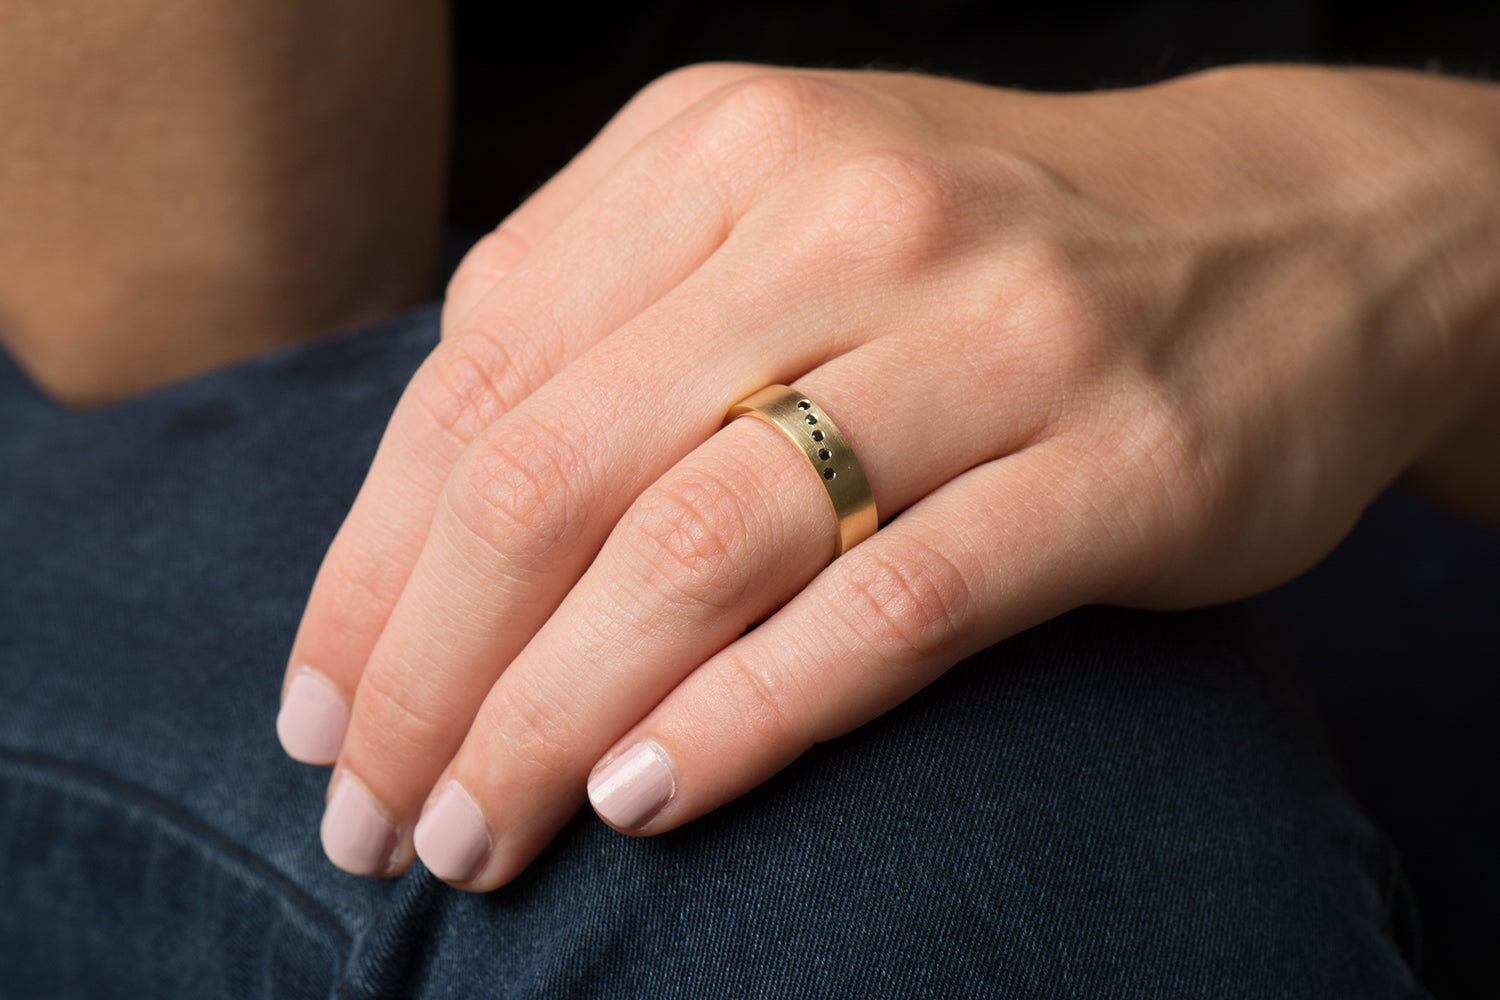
(809, 428)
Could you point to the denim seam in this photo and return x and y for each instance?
(107, 789)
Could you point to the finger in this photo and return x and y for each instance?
(528, 507)
(721, 541)
(633, 239)
(683, 575)
(523, 515)
(498, 252)
(1002, 548)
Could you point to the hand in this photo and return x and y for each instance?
(1155, 348)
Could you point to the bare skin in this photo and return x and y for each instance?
(184, 184)
(1155, 348)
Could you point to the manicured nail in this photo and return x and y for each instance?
(356, 835)
(312, 720)
(452, 837)
(633, 787)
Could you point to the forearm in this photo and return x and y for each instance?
(184, 184)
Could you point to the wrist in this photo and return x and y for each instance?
(1408, 164)
(1456, 293)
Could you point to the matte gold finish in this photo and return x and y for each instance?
(826, 449)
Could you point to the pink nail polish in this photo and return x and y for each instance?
(312, 719)
(356, 834)
(633, 787)
(452, 838)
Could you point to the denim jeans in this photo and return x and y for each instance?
(1115, 804)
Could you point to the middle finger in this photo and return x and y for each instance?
(724, 539)
(525, 510)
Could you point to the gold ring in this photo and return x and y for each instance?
(809, 428)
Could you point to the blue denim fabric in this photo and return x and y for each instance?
(1114, 804)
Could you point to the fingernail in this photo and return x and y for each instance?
(356, 835)
(312, 720)
(452, 837)
(634, 786)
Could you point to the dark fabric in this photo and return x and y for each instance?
(1398, 635)
(1114, 804)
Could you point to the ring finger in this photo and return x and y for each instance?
(724, 539)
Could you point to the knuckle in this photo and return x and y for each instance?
(1175, 447)
(889, 201)
(1066, 315)
(1038, 279)
(760, 698)
(355, 593)
(392, 725)
(1167, 459)
(779, 100)
(532, 729)
(1150, 481)
(1063, 291)
(684, 536)
(912, 599)
(684, 85)
(492, 257)
(761, 120)
(466, 384)
(512, 492)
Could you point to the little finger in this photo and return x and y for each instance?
(1006, 546)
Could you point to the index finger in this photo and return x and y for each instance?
(499, 251)
(615, 257)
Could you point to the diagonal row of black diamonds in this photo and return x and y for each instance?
(824, 455)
